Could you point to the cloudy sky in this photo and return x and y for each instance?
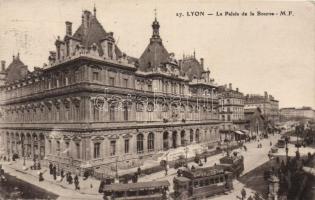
(254, 53)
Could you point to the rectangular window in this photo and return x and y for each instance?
(125, 83)
(150, 88)
(50, 147)
(112, 148)
(96, 114)
(127, 146)
(126, 113)
(111, 81)
(78, 150)
(67, 81)
(67, 148)
(96, 150)
(95, 76)
(110, 50)
(58, 148)
(112, 113)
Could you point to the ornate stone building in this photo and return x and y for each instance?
(93, 105)
(231, 111)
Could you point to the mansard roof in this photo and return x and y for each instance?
(155, 54)
(91, 31)
(192, 67)
(16, 70)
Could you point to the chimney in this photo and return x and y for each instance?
(236, 89)
(266, 95)
(68, 28)
(2, 65)
(225, 86)
(230, 86)
(201, 62)
(86, 20)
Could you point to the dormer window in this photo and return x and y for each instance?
(110, 50)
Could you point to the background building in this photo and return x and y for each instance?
(292, 113)
(268, 105)
(256, 123)
(231, 110)
(93, 105)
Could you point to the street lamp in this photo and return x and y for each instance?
(116, 168)
(186, 151)
(298, 130)
(286, 147)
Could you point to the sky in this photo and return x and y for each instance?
(255, 53)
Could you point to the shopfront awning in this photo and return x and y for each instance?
(245, 131)
(239, 132)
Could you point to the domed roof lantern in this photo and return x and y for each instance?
(155, 27)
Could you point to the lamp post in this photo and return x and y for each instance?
(298, 130)
(186, 151)
(286, 147)
(116, 175)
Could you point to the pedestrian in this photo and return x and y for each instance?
(55, 172)
(139, 170)
(40, 178)
(50, 168)
(62, 175)
(135, 178)
(270, 143)
(205, 159)
(70, 179)
(76, 183)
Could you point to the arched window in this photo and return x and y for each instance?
(197, 136)
(150, 107)
(151, 142)
(191, 135)
(78, 149)
(139, 107)
(97, 150)
(140, 143)
(165, 107)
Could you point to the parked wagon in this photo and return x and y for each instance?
(202, 182)
(153, 190)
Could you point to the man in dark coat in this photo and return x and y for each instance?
(76, 182)
(50, 168)
(62, 175)
(70, 179)
(54, 172)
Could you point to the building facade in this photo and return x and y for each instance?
(256, 123)
(268, 105)
(231, 111)
(297, 113)
(93, 106)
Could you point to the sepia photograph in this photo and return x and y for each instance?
(157, 100)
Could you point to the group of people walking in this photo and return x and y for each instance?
(69, 178)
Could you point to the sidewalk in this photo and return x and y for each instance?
(63, 189)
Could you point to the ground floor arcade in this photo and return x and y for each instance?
(103, 148)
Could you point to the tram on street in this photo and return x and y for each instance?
(152, 190)
(200, 183)
(233, 163)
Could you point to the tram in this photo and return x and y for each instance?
(200, 183)
(234, 164)
(153, 190)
